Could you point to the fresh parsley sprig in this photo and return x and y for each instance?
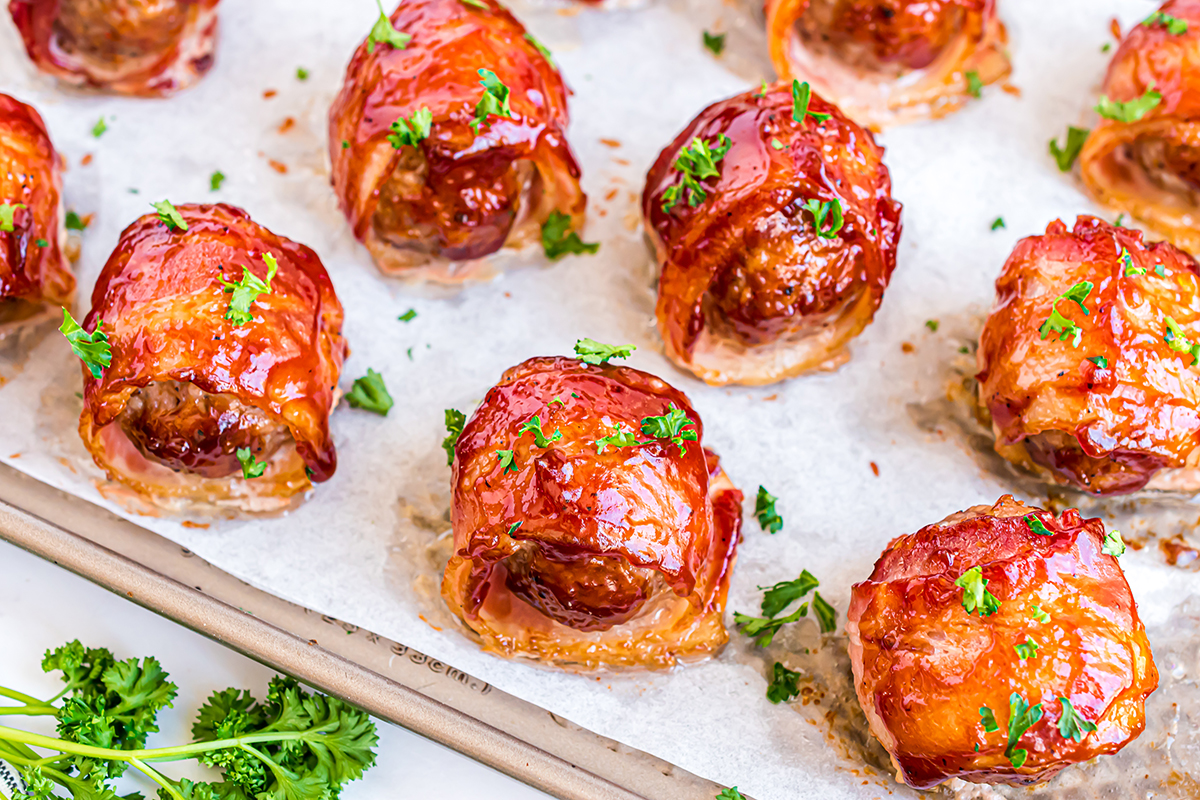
(714, 42)
(494, 100)
(801, 97)
(974, 84)
(409, 132)
(785, 684)
(246, 292)
(621, 438)
(1070, 724)
(455, 420)
(92, 349)
(1064, 327)
(1130, 110)
(1177, 341)
(674, 426)
(1066, 154)
(370, 394)
(534, 425)
(777, 598)
(251, 468)
(831, 209)
(384, 32)
(1174, 25)
(589, 351)
(7, 211)
(1037, 526)
(764, 511)
(976, 597)
(695, 163)
(558, 240)
(1113, 544)
(170, 216)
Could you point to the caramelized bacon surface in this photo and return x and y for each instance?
(924, 666)
(463, 192)
(187, 388)
(586, 559)
(136, 47)
(888, 61)
(1118, 412)
(34, 272)
(749, 291)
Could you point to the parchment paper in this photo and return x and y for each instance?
(365, 546)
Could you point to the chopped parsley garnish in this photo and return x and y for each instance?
(557, 242)
(697, 162)
(1057, 323)
(765, 513)
(1104, 48)
(1113, 545)
(976, 597)
(589, 351)
(988, 719)
(1040, 616)
(558, 399)
(1027, 649)
(826, 615)
(762, 629)
(1021, 717)
(170, 215)
(534, 426)
(622, 438)
(998, 223)
(1037, 526)
(775, 143)
(671, 426)
(514, 527)
(411, 131)
(42, 243)
(932, 324)
(1066, 155)
(494, 100)
(1160, 270)
(476, 4)
(1179, 343)
(455, 420)
(1070, 724)
(831, 209)
(1099, 361)
(99, 128)
(1174, 25)
(715, 42)
(370, 394)
(75, 222)
(541, 48)
(92, 349)
(1130, 110)
(507, 460)
(251, 468)
(1130, 269)
(762, 92)
(1120, 221)
(301, 74)
(778, 597)
(215, 180)
(974, 85)
(7, 211)
(384, 32)
(801, 97)
(731, 793)
(246, 292)
(784, 684)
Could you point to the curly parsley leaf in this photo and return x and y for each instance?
(1071, 725)
(1037, 526)
(558, 242)
(409, 132)
(1021, 717)
(455, 420)
(1113, 545)
(1174, 25)
(1040, 616)
(764, 511)
(246, 292)
(675, 426)
(998, 223)
(974, 84)
(92, 349)
(1130, 110)
(507, 459)
(731, 793)
(589, 351)
(383, 32)
(763, 629)
(715, 42)
(170, 215)
(99, 128)
(75, 222)
(534, 426)
(370, 394)
(1127, 260)
(1062, 325)
(622, 438)
(1066, 154)
(1027, 649)
(831, 209)
(251, 467)
(695, 163)
(785, 684)
(778, 597)
(976, 597)
(7, 212)
(215, 180)
(988, 719)
(801, 97)
(1178, 342)
(494, 100)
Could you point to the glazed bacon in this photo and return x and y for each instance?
(1118, 412)
(35, 276)
(583, 558)
(889, 61)
(462, 192)
(187, 387)
(750, 291)
(924, 666)
(124, 46)
(1149, 167)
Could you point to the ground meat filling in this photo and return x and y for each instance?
(186, 429)
(1170, 166)
(1119, 471)
(111, 32)
(582, 591)
(885, 36)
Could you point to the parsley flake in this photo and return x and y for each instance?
(731, 793)
(370, 394)
(622, 438)
(671, 426)
(826, 615)
(976, 597)
(1021, 717)
(1160, 270)
(75, 222)
(715, 42)
(763, 630)
(1064, 327)
(514, 527)
(7, 212)
(764, 511)
(246, 292)
(408, 316)
(1179, 343)
(974, 85)
(1066, 155)
(301, 74)
(1037, 526)
(557, 242)
(1130, 269)
(42, 243)
(507, 460)
(1130, 110)
(784, 684)
(99, 128)
(589, 351)
(1071, 725)
(215, 180)
(170, 216)
(932, 324)
(1120, 221)
(1027, 649)
(476, 4)
(384, 32)
(1113, 545)
(762, 91)
(534, 426)
(494, 100)
(801, 97)
(1040, 616)
(251, 468)
(1174, 25)
(831, 209)
(775, 143)
(778, 597)
(696, 162)
(1099, 361)
(988, 720)
(998, 223)
(411, 131)
(541, 48)
(455, 420)
(92, 349)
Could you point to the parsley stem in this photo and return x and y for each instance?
(28, 711)
(13, 694)
(157, 777)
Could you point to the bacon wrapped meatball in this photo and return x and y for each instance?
(889, 61)
(1000, 645)
(454, 147)
(226, 347)
(1087, 362)
(1144, 155)
(775, 238)
(126, 46)
(591, 527)
(35, 276)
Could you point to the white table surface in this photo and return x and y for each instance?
(43, 606)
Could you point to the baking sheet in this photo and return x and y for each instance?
(366, 545)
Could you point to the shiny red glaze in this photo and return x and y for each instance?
(30, 174)
(463, 198)
(163, 306)
(123, 46)
(747, 261)
(597, 530)
(923, 666)
(1104, 430)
